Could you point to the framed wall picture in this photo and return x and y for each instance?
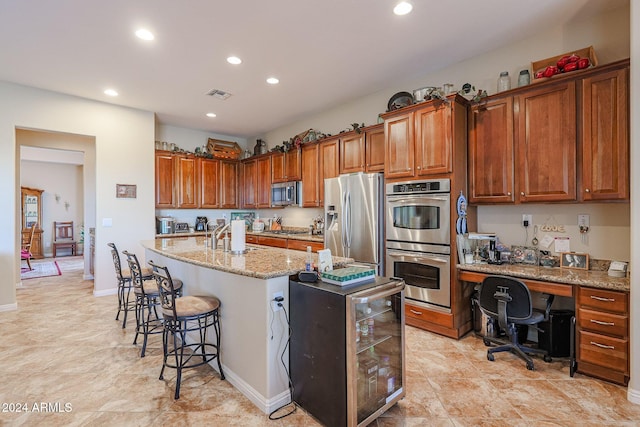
(126, 191)
(574, 260)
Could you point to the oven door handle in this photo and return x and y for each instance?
(417, 256)
(416, 200)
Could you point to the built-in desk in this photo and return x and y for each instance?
(601, 307)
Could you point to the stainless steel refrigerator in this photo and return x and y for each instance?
(354, 213)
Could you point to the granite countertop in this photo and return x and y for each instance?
(262, 262)
(591, 278)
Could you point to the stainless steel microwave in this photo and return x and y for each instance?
(286, 193)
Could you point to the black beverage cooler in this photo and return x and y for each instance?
(342, 374)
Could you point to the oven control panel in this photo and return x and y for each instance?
(427, 186)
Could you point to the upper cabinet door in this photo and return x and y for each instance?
(605, 142)
(310, 175)
(209, 183)
(352, 153)
(374, 149)
(263, 186)
(434, 140)
(292, 165)
(329, 164)
(228, 184)
(491, 160)
(399, 146)
(187, 169)
(546, 143)
(249, 181)
(165, 178)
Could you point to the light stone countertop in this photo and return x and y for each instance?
(298, 236)
(262, 262)
(594, 279)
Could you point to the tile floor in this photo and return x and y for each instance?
(63, 346)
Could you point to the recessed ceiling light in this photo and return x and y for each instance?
(234, 60)
(402, 8)
(211, 114)
(144, 34)
(111, 92)
(273, 81)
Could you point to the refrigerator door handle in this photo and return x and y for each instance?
(365, 297)
(343, 223)
(348, 220)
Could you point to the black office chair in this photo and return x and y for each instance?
(509, 301)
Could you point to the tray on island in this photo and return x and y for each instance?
(348, 275)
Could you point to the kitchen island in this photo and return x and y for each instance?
(254, 334)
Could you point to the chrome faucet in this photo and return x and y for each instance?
(215, 235)
(206, 230)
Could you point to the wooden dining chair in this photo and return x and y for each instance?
(25, 251)
(64, 237)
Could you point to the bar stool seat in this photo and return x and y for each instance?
(188, 314)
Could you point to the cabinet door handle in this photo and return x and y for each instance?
(508, 193)
(418, 168)
(602, 299)
(600, 322)
(419, 313)
(610, 347)
(522, 193)
(586, 190)
(408, 169)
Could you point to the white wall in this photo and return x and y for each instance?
(124, 144)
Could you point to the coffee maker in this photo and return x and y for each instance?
(201, 223)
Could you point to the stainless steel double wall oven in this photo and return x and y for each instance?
(418, 237)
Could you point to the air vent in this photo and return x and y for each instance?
(220, 94)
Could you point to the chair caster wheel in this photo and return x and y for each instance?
(490, 357)
(530, 366)
(547, 358)
(486, 342)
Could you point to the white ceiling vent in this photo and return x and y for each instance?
(220, 94)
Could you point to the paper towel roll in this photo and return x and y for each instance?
(238, 231)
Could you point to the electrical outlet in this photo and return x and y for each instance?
(583, 220)
(274, 303)
(527, 219)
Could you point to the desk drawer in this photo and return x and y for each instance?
(600, 299)
(606, 323)
(604, 351)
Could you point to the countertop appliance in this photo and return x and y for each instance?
(286, 193)
(418, 240)
(342, 375)
(181, 227)
(165, 225)
(354, 208)
(201, 223)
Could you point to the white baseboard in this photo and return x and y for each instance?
(265, 405)
(9, 307)
(105, 292)
(633, 396)
(87, 277)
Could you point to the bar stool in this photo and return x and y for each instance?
(182, 316)
(148, 321)
(124, 284)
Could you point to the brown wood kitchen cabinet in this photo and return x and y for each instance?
(286, 166)
(263, 185)
(310, 175)
(187, 181)
(362, 151)
(165, 180)
(545, 128)
(209, 183)
(229, 184)
(604, 135)
(522, 144)
(602, 336)
(420, 140)
(329, 164)
(249, 183)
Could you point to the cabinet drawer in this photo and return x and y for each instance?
(600, 299)
(604, 351)
(430, 316)
(301, 245)
(252, 239)
(606, 323)
(272, 241)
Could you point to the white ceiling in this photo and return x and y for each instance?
(325, 52)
